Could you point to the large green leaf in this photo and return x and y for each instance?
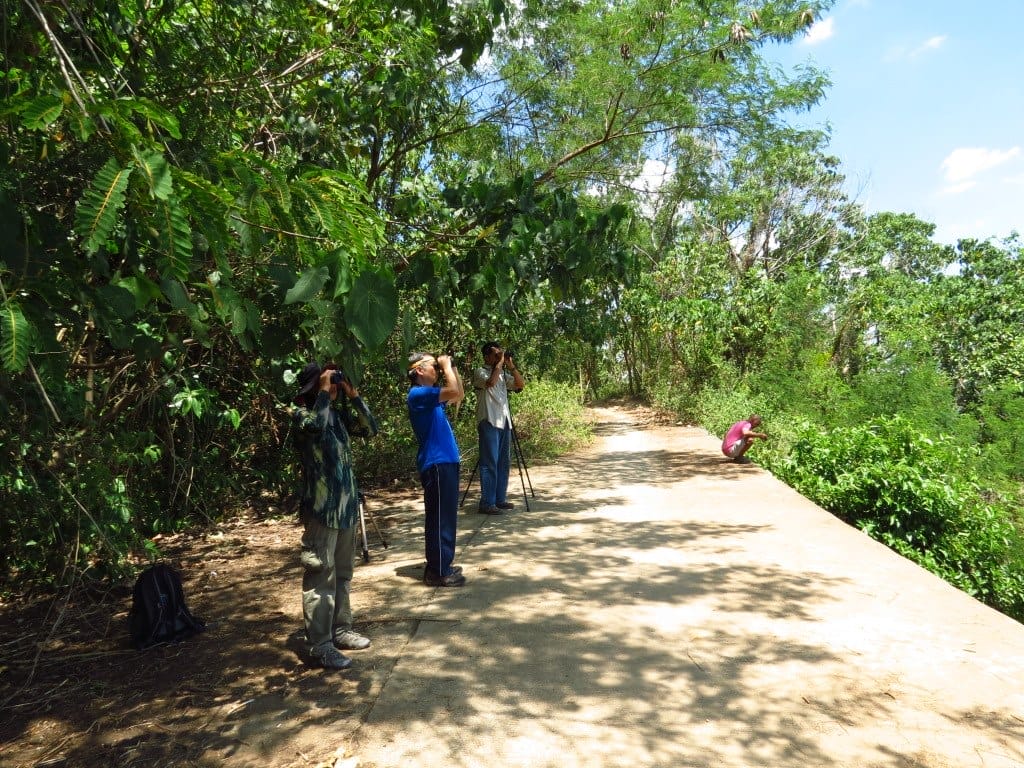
(15, 336)
(308, 286)
(372, 309)
(176, 294)
(100, 204)
(343, 281)
(142, 289)
(504, 283)
(116, 300)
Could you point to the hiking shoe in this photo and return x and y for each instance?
(350, 640)
(427, 569)
(491, 510)
(329, 657)
(505, 505)
(451, 580)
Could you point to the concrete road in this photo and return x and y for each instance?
(660, 606)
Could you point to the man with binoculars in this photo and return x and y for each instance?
(492, 382)
(329, 506)
(437, 460)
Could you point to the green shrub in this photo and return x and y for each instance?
(1001, 414)
(549, 419)
(917, 494)
(913, 389)
(676, 397)
(718, 409)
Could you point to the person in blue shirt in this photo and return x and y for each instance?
(329, 507)
(437, 460)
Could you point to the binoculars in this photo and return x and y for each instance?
(338, 376)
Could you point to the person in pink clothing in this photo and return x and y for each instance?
(741, 436)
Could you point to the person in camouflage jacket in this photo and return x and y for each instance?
(329, 508)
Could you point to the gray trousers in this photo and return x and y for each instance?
(327, 559)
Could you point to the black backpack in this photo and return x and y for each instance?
(159, 613)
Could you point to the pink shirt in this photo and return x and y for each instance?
(734, 435)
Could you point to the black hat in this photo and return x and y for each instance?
(308, 379)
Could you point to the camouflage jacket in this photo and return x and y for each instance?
(322, 433)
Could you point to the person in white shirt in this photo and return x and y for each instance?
(492, 383)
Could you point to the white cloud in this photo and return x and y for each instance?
(900, 52)
(820, 31)
(963, 163)
(931, 44)
(956, 189)
(653, 176)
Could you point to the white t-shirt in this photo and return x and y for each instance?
(492, 402)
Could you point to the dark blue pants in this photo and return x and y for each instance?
(441, 508)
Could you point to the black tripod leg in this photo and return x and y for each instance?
(520, 464)
(522, 461)
(362, 530)
(373, 521)
(469, 483)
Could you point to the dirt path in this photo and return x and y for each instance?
(657, 606)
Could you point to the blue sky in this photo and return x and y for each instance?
(926, 108)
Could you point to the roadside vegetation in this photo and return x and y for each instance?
(196, 198)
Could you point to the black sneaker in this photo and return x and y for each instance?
(505, 505)
(330, 657)
(426, 570)
(451, 580)
(491, 510)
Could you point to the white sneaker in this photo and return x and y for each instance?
(350, 640)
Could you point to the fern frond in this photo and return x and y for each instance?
(41, 112)
(15, 338)
(208, 207)
(275, 183)
(100, 204)
(174, 240)
(155, 114)
(318, 215)
(154, 168)
(352, 220)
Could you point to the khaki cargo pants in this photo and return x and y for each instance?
(327, 562)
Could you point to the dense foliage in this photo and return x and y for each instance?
(870, 413)
(196, 197)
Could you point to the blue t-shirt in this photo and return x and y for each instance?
(434, 433)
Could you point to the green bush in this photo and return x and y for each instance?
(913, 389)
(917, 494)
(718, 409)
(549, 419)
(1001, 414)
(677, 397)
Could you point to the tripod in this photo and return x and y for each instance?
(362, 528)
(517, 448)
